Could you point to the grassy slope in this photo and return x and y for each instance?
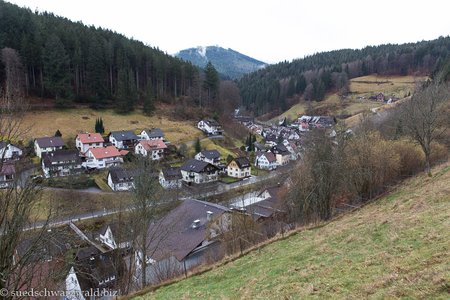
(395, 247)
(73, 121)
(364, 86)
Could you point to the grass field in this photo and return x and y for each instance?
(396, 247)
(365, 86)
(70, 202)
(73, 121)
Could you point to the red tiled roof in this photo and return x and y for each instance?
(124, 152)
(153, 144)
(87, 138)
(104, 152)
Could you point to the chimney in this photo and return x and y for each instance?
(196, 224)
(209, 215)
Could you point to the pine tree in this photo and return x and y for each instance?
(56, 63)
(198, 146)
(58, 133)
(149, 100)
(211, 82)
(101, 128)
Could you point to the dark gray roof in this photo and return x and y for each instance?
(280, 149)
(172, 173)
(61, 157)
(124, 135)
(181, 237)
(211, 122)
(211, 154)
(7, 169)
(54, 141)
(154, 133)
(122, 175)
(197, 166)
(242, 162)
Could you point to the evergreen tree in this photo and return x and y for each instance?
(101, 128)
(58, 133)
(126, 91)
(149, 100)
(211, 82)
(56, 63)
(198, 146)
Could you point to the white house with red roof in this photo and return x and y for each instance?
(84, 141)
(152, 148)
(100, 158)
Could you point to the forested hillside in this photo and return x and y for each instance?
(69, 61)
(273, 87)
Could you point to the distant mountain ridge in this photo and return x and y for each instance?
(227, 61)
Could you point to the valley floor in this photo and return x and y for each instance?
(395, 247)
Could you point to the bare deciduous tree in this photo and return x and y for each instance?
(424, 117)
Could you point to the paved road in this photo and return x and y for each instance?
(218, 189)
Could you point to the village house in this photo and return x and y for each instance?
(100, 158)
(115, 236)
(9, 151)
(281, 153)
(152, 148)
(170, 178)
(239, 168)
(209, 156)
(47, 144)
(292, 148)
(61, 163)
(210, 127)
(196, 171)
(120, 179)
(123, 139)
(84, 141)
(152, 134)
(266, 160)
(185, 238)
(7, 175)
(93, 272)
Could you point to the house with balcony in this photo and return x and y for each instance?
(123, 139)
(152, 134)
(210, 127)
(101, 158)
(170, 178)
(196, 171)
(61, 163)
(47, 144)
(151, 148)
(209, 156)
(120, 179)
(84, 141)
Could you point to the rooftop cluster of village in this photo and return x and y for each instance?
(197, 228)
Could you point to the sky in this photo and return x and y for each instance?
(268, 30)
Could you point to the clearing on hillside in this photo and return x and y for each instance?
(396, 247)
(357, 101)
(73, 121)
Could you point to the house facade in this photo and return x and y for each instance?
(152, 134)
(239, 168)
(120, 179)
(61, 163)
(151, 148)
(210, 127)
(9, 151)
(123, 139)
(266, 160)
(101, 158)
(209, 156)
(170, 178)
(282, 154)
(47, 144)
(7, 175)
(196, 171)
(85, 141)
(114, 236)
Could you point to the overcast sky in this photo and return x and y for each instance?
(268, 30)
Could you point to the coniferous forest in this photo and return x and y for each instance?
(71, 62)
(313, 76)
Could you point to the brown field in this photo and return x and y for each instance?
(73, 121)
